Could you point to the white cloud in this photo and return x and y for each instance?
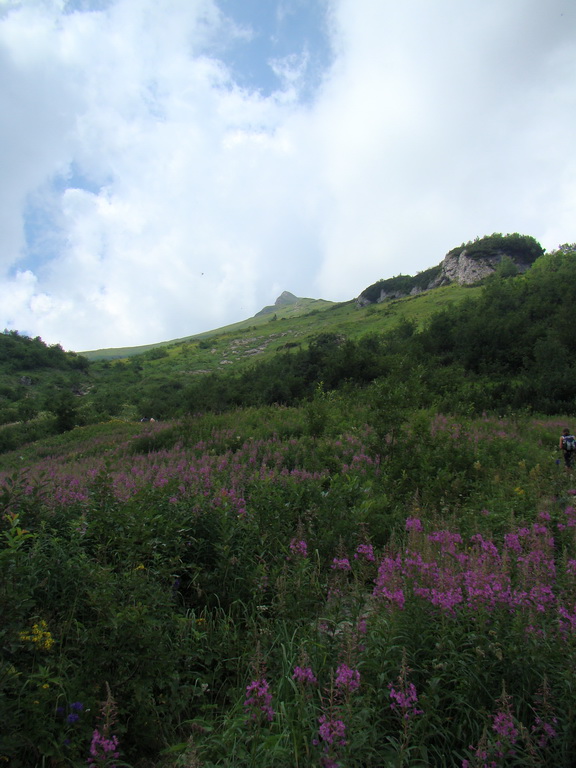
(180, 202)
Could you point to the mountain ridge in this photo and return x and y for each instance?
(467, 264)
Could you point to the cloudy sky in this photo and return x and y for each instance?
(171, 166)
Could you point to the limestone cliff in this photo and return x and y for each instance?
(462, 268)
(467, 264)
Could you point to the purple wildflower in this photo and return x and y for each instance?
(340, 564)
(332, 731)
(347, 678)
(504, 726)
(405, 700)
(103, 749)
(73, 718)
(414, 524)
(259, 699)
(367, 550)
(299, 548)
(545, 731)
(304, 675)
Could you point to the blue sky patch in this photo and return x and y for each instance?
(294, 31)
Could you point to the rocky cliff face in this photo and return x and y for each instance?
(364, 301)
(456, 267)
(460, 268)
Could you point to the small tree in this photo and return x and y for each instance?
(65, 410)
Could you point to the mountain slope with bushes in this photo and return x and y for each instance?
(359, 551)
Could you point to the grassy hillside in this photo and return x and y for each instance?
(43, 389)
(242, 344)
(507, 344)
(300, 307)
(355, 551)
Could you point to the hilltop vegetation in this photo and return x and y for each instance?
(511, 253)
(520, 247)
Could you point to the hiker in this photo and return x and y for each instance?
(567, 445)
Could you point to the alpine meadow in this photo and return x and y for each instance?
(337, 535)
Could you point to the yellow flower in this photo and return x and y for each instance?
(45, 686)
(139, 567)
(40, 636)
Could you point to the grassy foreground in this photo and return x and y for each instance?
(290, 587)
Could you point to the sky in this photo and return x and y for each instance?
(168, 167)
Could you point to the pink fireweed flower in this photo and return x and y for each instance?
(103, 750)
(332, 731)
(570, 513)
(567, 619)
(405, 700)
(340, 564)
(504, 726)
(304, 675)
(481, 754)
(259, 700)
(512, 542)
(366, 550)
(414, 524)
(487, 547)
(447, 540)
(299, 548)
(389, 582)
(545, 731)
(395, 596)
(347, 678)
(446, 599)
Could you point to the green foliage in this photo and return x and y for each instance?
(508, 345)
(522, 248)
(401, 284)
(343, 503)
(172, 574)
(23, 353)
(64, 408)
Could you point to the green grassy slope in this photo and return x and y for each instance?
(302, 306)
(119, 387)
(258, 338)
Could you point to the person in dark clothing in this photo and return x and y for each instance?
(567, 445)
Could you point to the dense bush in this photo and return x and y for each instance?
(521, 248)
(401, 284)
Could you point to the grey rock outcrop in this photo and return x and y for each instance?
(458, 266)
(461, 268)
